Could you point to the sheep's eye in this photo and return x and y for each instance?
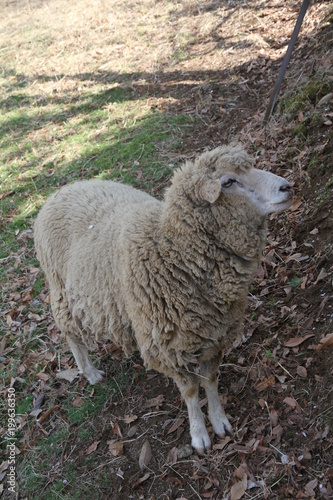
(228, 183)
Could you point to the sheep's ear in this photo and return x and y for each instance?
(210, 191)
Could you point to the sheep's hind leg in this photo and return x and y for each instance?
(190, 393)
(81, 355)
(217, 416)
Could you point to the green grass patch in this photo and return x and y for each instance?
(304, 97)
(102, 133)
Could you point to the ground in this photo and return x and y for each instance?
(128, 91)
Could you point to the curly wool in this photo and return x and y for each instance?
(169, 278)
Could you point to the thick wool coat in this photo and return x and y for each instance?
(169, 278)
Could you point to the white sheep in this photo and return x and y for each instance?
(169, 278)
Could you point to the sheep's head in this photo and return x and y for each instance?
(226, 176)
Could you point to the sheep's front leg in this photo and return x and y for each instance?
(219, 421)
(198, 431)
(80, 353)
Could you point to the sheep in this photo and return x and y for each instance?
(169, 278)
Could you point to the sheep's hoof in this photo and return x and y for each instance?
(222, 426)
(94, 376)
(201, 445)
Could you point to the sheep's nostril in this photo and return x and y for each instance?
(285, 188)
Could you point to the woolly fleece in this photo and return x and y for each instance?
(169, 278)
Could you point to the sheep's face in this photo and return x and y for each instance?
(226, 177)
(265, 191)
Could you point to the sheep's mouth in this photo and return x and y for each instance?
(282, 205)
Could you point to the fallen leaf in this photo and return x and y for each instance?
(295, 341)
(128, 419)
(310, 487)
(239, 488)
(132, 431)
(302, 371)
(141, 480)
(296, 204)
(325, 99)
(43, 376)
(116, 448)
(155, 402)
(9, 320)
(39, 401)
(295, 256)
(77, 401)
(36, 412)
(92, 447)
(292, 403)
(145, 455)
(322, 275)
(46, 414)
(221, 444)
(178, 422)
(325, 342)
(265, 383)
(116, 429)
(68, 375)
(172, 456)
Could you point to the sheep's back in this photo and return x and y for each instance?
(80, 240)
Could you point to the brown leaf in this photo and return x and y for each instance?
(310, 486)
(239, 488)
(295, 341)
(48, 412)
(128, 419)
(292, 403)
(92, 447)
(178, 422)
(39, 401)
(172, 456)
(116, 448)
(42, 376)
(302, 371)
(77, 401)
(116, 429)
(221, 444)
(273, 415)
(145, 455)
(322, 275)
(325, 342)
(209, 494)
(155, 402)
(69, 374)
(295, 256)
(141, 480)
(296, 204)
(265, 383)
(9, 320)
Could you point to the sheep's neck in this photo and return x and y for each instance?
(199, 254)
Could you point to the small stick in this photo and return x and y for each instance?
(286, 60)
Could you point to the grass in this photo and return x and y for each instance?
(104, 133)
(74, 428)
(55, 130)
